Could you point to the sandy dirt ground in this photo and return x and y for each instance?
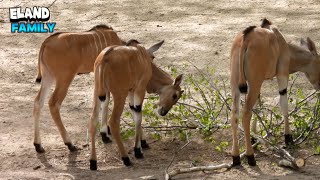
(196, 30)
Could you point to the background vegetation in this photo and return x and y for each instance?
(205, 106)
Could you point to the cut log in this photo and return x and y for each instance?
(295, 164)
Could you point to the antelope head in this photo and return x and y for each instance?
(169, 96)
(312, 71)
(169, 91)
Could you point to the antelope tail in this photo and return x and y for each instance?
(243, 87)
(100, 75)
(38, 79)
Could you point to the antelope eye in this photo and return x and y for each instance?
(174, 96)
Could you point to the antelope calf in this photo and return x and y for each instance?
(260, 53)
(62, 56)
(129, 71)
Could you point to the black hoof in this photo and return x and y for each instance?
(243, 88)
(93, 165)
(251, 160)
(39, 148)
(38, 80)
(144, 144)
(236, 161)
(137, 153)
(71, 147)
(105, 138)
(253, 140)
(126, 161)
(288, 139)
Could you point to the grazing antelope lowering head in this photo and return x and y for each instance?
(129, 71)
(169, 96)
(305, 58)
(260, 53)
(169, 91)
(62, 56)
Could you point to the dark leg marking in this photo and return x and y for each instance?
(109, 131)
(283, 92)
(243, 88)
(288, 139)
(105, 138)
(236, 161)
(251, 160)
(38, 80)
(39, 148)
(126, 161)
(253, 140)
(71, 147)
(144, 144)
(137, 108)
(102, 98)
(137, 153)
(93, 165)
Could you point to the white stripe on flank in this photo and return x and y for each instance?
(140, 55)
(94, 39)
(92, 54)
(105, 41)
(99, 41)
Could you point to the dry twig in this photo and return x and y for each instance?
(288, 161)
(52, 3)
(169, 175)
(175, 154)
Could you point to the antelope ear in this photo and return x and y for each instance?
(311, 46)
(303, 43)
(265, 23)
(178, 80)
(155, 47)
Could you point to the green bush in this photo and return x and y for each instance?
(204, 108)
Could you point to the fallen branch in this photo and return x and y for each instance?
(169, 175)
(169, 128)
(295, 164)
(315, 154)
(198, 168)
(175, 154)
(288, 161)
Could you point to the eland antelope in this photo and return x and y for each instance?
(129, 71)
(62, 56)
(260, 53)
